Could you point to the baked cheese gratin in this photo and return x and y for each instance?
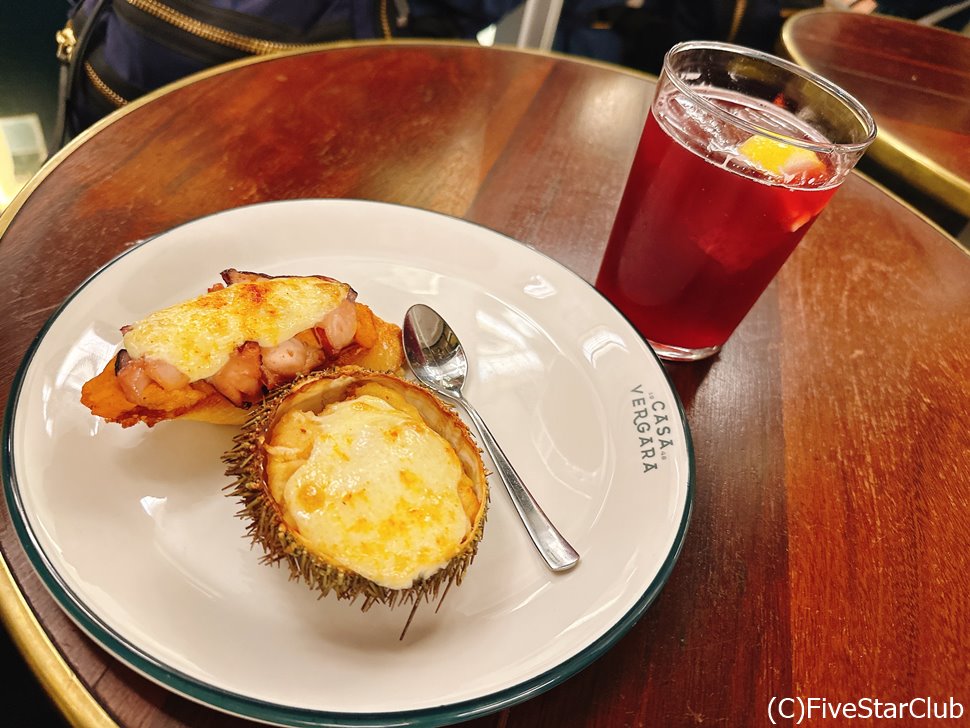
(367, 485)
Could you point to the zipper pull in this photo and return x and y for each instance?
(402, 13)
(66, 40)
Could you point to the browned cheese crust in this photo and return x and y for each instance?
(376, 346)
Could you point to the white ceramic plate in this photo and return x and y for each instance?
(132, 533)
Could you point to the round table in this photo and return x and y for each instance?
(827, 552)
(915, 81)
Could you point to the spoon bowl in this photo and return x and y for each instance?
(433, 350)
(438, 361)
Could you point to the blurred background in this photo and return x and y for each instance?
(28, 88)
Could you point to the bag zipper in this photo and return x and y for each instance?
(212, 33)
(104, 89)
(385, 20)
(740, 7)
(402, 13)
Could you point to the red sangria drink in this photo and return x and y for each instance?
(739, 155)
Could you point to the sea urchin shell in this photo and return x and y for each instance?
(365, 484)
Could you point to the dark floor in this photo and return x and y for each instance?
(23, 701)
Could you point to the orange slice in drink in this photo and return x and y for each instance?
(784, 161)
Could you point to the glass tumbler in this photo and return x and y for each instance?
(739, 155)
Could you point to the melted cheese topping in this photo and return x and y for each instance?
(371, 488)
(198, 336)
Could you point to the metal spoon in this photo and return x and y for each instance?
(438, 361)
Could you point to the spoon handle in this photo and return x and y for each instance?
(556, 551)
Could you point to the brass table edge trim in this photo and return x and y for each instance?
(921, 172)
(7, 214)
(888, 150)
(72, 698)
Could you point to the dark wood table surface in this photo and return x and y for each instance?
(828, 552)
(915, 81)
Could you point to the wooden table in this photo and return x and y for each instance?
(828, 550)
(915, 81)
